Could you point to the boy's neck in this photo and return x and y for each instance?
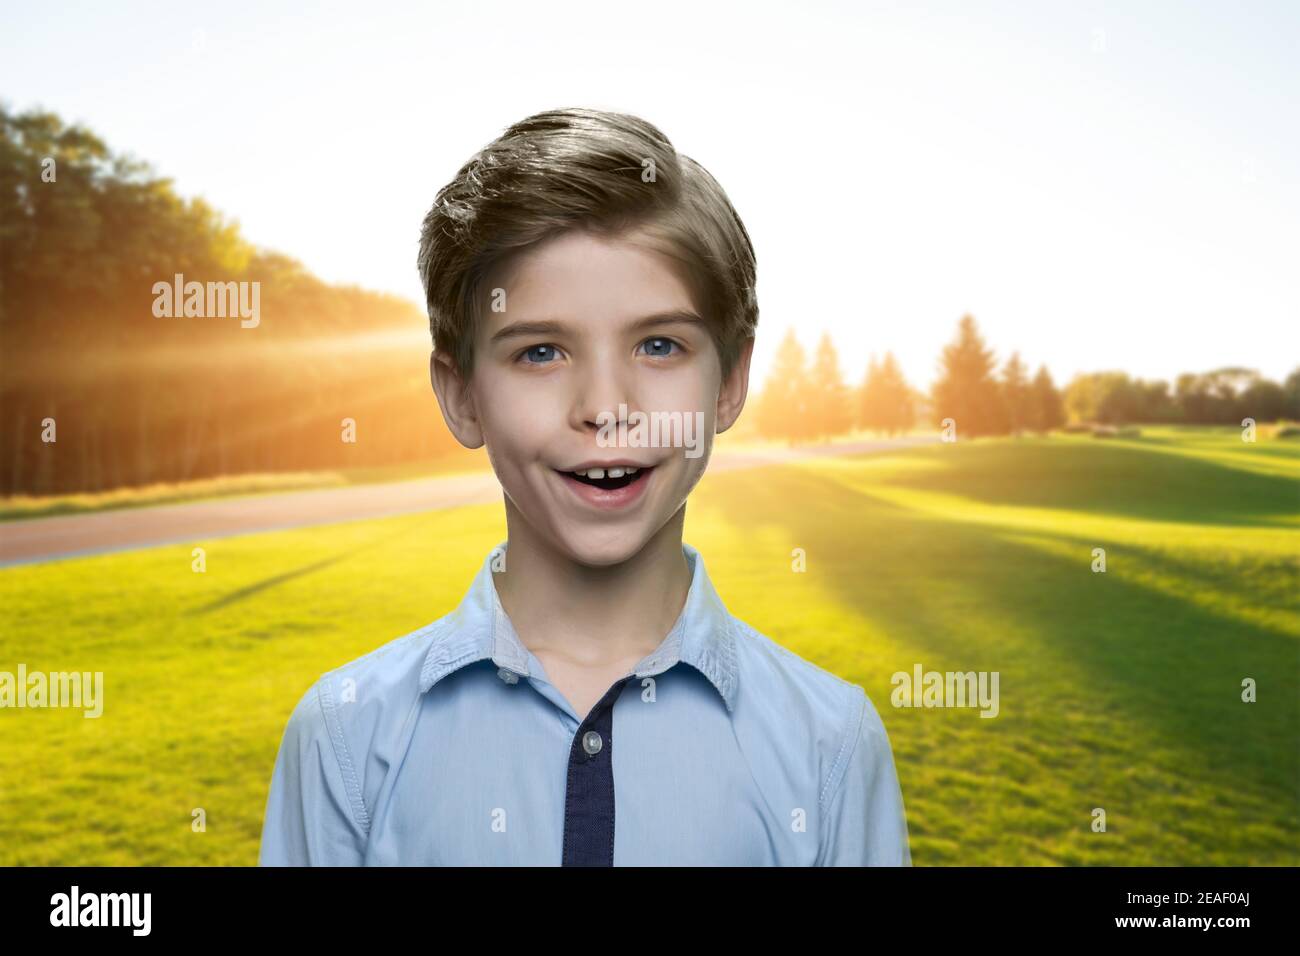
(594, 616)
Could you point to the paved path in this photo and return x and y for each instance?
(43, 539)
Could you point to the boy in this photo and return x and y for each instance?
(590, 701)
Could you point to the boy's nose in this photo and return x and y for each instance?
(606, 393)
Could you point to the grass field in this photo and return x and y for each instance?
(1119, 690)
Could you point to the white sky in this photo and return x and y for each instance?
(1102, 185)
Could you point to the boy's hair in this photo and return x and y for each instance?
(591, 169)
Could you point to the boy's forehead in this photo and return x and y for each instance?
(578, 275)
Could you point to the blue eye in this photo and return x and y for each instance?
(661, 341)
(536, 348)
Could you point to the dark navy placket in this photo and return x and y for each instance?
(589, 798)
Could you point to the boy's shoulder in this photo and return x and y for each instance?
(779, 672)
(361, 694)
(386, 675)
(812, 711)
(355, 711)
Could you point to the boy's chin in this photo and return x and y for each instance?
(600, 551)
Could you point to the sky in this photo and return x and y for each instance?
(1101, 185)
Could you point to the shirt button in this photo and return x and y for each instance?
(509, 676)
(591, 742)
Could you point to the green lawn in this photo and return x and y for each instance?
(1119, 690)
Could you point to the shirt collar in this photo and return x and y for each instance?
(479, 628)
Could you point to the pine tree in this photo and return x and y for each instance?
(966, 390)
(868, 418)
(783, 407)
(1047, 408)
(1015, 395)
(887, 404)
(829, 411)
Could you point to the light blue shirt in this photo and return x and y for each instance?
(449, 747)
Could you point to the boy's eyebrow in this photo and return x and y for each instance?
(555, 326)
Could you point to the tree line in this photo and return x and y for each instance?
(130, 398)
(810, 401)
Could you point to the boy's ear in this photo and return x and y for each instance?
(455, 400)
(731, 396)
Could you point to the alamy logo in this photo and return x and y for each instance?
(212, 300)
(651, 430)
(946, 689)
(53, 689)
(102, 909)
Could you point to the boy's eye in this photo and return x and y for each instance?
(542, 354)
(538, 351)
(660, 343)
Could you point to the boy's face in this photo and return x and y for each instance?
(575, 338)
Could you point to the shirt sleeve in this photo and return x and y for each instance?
(864, 823)
(309, 817)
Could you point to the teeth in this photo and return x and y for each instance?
(617, 472)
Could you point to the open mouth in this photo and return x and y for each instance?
(608, 483)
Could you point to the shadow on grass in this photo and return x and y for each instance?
(1105, 479)
(1167, 668)
(257, 587)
